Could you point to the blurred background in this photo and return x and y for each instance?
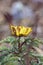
(21, 12)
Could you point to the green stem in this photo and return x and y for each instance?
(19, 45)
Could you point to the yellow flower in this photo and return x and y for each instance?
(20, 30)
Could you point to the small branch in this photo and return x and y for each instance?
(34, 33)
(8, 53)
(22, 44)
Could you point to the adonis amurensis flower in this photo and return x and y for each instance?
(20, 30)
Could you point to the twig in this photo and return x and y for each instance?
(13, 52)
(34, 33)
